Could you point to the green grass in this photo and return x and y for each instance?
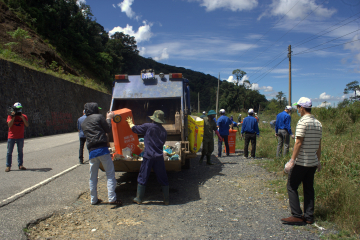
(35, 64)
(337, 186)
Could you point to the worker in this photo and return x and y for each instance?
(256, 117)
(224, 123)
(203, 116)
(251, 129)
(239, 118)
(154, 140)
(232, 118)
(208, 139)
(283, 131)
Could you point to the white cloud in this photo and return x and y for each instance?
(79, 2)
(233, 5)
(164, 55)
(142, 34)
(324, 96)
(126, 8)
(298, 10)
(196, 47)
(114, 5)
(256, 86)
(354, 47)
(324, 104)
(231, 80)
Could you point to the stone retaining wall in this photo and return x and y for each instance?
(52, 105)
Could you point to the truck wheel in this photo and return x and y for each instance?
(187, 163)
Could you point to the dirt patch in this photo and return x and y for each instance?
(231, 199)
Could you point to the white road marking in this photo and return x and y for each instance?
(30, 189)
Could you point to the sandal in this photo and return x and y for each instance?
(117, 202)
(98, 201)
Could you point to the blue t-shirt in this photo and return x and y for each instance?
(250, 125)
(79, 122)
(99, 152)
(283, 121)
(223, 122)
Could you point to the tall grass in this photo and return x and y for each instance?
(337, 186)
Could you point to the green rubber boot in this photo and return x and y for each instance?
(208, 162)
(165, 190)
(139, 194)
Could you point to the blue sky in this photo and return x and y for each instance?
(218, 36)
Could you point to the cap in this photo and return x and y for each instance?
(240, 114)
(211, 112)
(99, 108)
(255, 113)
(251, 110)
(304, 102)
(288, 108)
(222, 110)
(204, 112)
(17, 105)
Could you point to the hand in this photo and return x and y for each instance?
(220, 139)
(13, 114)
(292, 136)
(289, 165)
(109, 115)
(319, 167)
(130, 122)
(276, 134)
(242, 135)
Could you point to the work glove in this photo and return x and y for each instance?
(109, 115)
(130, 122)
(289, 165)
(218, 134)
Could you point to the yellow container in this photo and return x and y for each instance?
(196, 132)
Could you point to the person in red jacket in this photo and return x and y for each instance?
(16, 122)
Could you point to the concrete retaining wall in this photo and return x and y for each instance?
(52, 105)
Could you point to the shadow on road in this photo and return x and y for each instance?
(37, 169)
(184, 185)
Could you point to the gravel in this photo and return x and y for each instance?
(229, 200)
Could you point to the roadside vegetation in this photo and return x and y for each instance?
(337, 185)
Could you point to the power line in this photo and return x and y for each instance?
(270, 70)
(328, 41)
(286, 33)
(268, 30)
(313, 37)
(326, 47)
(317, 35)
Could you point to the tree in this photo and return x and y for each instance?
(239, 75)
(281, 98)
(352, 86)
(19, 35)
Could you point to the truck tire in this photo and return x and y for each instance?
(187, 163)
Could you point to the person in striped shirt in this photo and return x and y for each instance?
(303, 164)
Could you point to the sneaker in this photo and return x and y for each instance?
(22, 168)
(7, 169)
(293, 221)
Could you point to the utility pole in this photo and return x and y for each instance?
(198, 102)
(289, 56)
(217, 97)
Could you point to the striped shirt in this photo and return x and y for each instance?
(310, 129)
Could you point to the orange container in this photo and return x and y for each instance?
(122, 133)
(231, 141)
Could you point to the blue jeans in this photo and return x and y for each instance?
(10, 147)
(225, 137)
(110, 175)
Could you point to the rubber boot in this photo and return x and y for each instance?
(208, 162)
(139, 194)
(201, 159)
(165, 190)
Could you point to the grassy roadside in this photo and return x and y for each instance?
(10, 56)
(337, 185)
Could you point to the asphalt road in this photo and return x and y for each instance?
(44, 158)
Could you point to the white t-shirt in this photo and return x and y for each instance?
(310, 129)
